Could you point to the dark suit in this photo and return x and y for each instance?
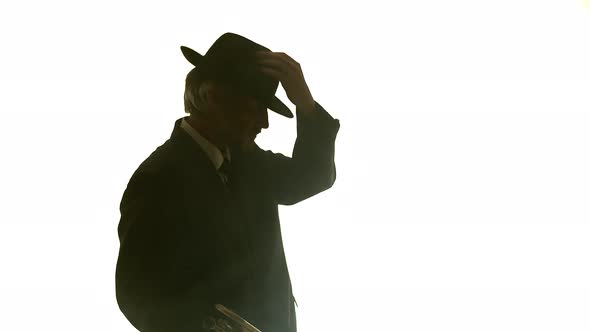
(187, 243)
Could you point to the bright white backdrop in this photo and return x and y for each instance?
(461, 202)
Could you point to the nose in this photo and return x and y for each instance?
(262, 118)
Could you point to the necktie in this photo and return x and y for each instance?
(225, 171)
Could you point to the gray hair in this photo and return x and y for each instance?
(193, 104)
(196, 87)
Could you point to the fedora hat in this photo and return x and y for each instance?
(231, 60)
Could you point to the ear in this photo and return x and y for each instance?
(216, 93)
(211, 94)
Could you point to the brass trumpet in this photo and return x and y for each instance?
(229, 322)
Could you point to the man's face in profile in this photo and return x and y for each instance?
(244, 117)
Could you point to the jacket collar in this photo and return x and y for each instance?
(212, 151)
(193, 143)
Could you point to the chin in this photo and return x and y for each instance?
(248, 145)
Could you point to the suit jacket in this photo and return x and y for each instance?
(186, 242)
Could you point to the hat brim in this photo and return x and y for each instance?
(275, 104)
(191, 55)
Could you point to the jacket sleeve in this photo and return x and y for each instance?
(160, 259)
(311, 169)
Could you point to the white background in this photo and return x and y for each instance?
(462, 194)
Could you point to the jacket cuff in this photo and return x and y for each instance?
(318, 123)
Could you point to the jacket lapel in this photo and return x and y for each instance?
(193, 162)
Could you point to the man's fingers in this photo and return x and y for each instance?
(289, 60)
(278, 58)
(274, 64)
(272, 72)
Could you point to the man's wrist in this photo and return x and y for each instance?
(306, 109)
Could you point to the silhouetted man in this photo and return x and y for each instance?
(199, 217)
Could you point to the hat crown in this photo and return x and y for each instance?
(234, 48)
(232, 60)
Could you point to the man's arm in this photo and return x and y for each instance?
(160, 259)
(311, 169)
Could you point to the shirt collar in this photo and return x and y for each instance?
(212, 151)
